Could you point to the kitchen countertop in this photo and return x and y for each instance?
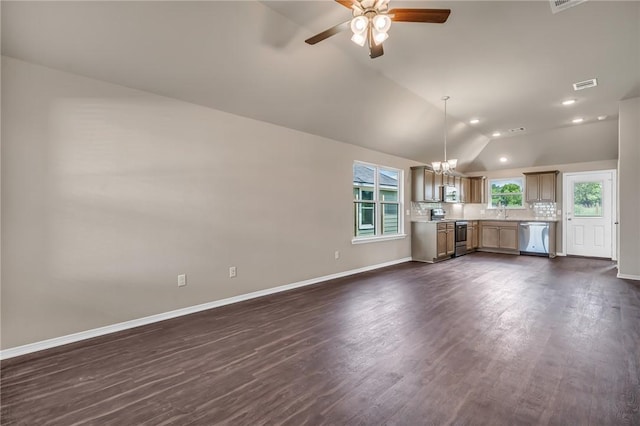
(489, 219)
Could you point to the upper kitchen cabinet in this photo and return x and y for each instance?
(541, 186)
(465, 190)
(423, 185)
(477, 192)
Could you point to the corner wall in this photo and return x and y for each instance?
(629, 189)
(109, 193)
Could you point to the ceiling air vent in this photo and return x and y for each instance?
(560, 5)
(585, 84)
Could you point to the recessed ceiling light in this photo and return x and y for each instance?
(602, 117)
(496, 134)
(569, 102)
(577, 120)
(474, 121)
(503, 159)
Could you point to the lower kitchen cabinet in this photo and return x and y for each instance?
(499, 236)
(446, 239)
(432, 241)
(472, 235)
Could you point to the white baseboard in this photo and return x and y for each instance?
(561, 254)
(89, 334)
(628, 277)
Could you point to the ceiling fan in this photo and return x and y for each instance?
(372, 19)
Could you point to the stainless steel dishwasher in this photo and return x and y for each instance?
(534, 238)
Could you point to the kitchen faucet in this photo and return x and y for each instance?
(502, 210)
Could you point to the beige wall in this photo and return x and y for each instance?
(562, 168)
(109, 193)
(629, 189)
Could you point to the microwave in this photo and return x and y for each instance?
(449, 194)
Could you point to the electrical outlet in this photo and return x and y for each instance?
(182, 280)
(233, 272)
(336, 255)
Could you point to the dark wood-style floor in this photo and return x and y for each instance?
(482, 339)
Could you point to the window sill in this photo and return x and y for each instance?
(365, 240)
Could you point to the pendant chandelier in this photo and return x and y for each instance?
(445, 166)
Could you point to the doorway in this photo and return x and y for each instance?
(589, 204)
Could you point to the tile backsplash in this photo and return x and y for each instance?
(545, 209)
(420, 211)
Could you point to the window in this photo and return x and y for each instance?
(587, 199)
(506, 193)
(376, 201)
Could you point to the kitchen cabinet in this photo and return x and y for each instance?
(465, 190)
(472, 235)
(446, 239)
(499, 236)
(541, 186)
(476, 190)
(432, 241)
(423, 185)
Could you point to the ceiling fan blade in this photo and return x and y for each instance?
(346, 3)
(375, 51)
(433, 16)
(328, 33)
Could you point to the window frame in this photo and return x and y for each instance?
(522, 194)
(379, 206)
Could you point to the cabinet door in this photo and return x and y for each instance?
(470, 230)
(490, 236)
(509, 238)
(477, 190)
(474, 237)
(430, 193)
(532, 192)
(451, 241)
(465, 190)
(442, 243)
(547, 187)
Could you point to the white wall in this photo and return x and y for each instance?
(109, 193)
(629, 189)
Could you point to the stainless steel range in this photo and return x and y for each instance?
(461, 238)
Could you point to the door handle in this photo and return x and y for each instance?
(568, 218)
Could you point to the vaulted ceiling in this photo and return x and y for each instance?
(509, 64)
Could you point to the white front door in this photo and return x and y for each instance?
(589, 204)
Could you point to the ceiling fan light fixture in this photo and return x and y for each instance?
(359, 39)
(359, 24)
(381, 22)
(379, 37)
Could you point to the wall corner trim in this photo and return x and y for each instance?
(101, 331)
(628, 277)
